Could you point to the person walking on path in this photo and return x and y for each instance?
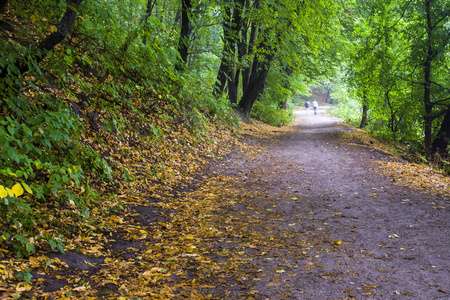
(307, 106)
(315, 106)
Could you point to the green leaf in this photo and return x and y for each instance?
(27, 130)
(39, 165)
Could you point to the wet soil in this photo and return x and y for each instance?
(330, 227)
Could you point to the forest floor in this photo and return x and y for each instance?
(316, 210)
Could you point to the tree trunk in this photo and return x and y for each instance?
(3, 4)
(63, 28)
(233, 76)
(231, 28)
(428, 118)
(148, 13)
(257, 83)
(185, 34)
(442, 140)
(327, 96)
(232, 87)
(246, 72)
(225, 62)
(53, 39)
(365, 109)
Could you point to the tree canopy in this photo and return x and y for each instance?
(398, 69)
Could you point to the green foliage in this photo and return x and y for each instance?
(41, 151)
(115, 74)
(349, 110)
(271, 114)
(394, 58)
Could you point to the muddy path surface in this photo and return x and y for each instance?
(327, 225)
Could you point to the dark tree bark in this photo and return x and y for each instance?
(431, 52)
(231, 27)
(428, 118)
(148, 13)
(185, 34)
(232, 88)
(224, 63)
(63, 28)
(249, 51)
(3, 4)
(257, 82)
(53, 39)
(233, 76)
(327, 96)
(365, 109)
(442, 140)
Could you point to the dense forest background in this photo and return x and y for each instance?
(102, 100)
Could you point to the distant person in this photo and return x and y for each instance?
(315, 106)
(307, 106)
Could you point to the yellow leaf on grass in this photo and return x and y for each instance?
(17, 189)
(10, 192)
(338, 242)
(27, 188)
(3, 192)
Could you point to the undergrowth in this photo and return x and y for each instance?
(78, 134)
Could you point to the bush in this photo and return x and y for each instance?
(348, 110)
(270, 114)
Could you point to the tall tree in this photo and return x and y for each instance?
(257, 81)
(51, 40)
(232, 24)
(436, 39)
(294, 31)
(185, 33)
(442, 141)
(398, 64)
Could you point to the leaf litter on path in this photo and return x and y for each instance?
(239, 233)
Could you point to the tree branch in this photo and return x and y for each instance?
(53, 39)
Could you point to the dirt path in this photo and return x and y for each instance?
(325, 226)
(307, 216)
